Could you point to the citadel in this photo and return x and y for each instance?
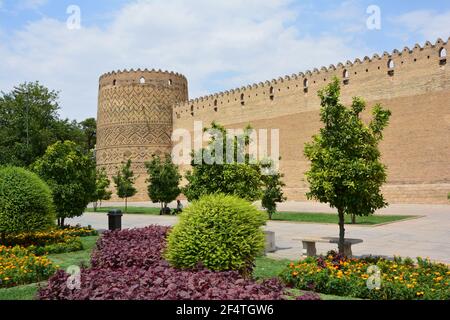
(138, 110)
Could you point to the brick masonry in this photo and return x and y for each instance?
(416, 88)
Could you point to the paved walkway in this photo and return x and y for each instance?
(427, 236)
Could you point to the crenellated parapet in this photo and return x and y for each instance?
(143, 76)
(385, 66)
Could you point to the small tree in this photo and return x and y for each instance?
(70, 174)
(242, 179)
(124, 182)
(163, 181)
(102, 184)
(273, 190)
(346, 171)
(89, 128)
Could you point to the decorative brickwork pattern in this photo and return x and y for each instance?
(139, 109)
(135, 118)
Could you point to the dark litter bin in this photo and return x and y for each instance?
(115, 220)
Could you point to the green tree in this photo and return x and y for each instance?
(89, 129)
(102, 184)
(29, 123)
(70, 174)
(346, 171)
(229, 177)
(273, 190)
(163, 181)
(124, 181)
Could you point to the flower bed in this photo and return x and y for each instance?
(400, 278)
(52, 241)
(68, 244)
(19, 266)
(43, 238)
(128, 265)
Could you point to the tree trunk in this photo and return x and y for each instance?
(126, 205)
(95, 206)
(62, 222)
(3, 238)
(353, 218)
(341, 231)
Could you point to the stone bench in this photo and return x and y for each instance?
(309, 244)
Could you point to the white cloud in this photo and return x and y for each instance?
(250, 41)
(428, 24)
(30, 4)
(349, 16)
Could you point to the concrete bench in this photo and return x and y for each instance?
(309, 244)
(270, 241)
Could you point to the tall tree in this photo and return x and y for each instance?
(346, 171)
(102, 184)
(29, 123)
(163, 181)
(70, 174)
(124, 181)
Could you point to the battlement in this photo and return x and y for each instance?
(387, 65)
(145, 76)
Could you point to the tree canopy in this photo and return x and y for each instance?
(70, 174)
(124, 181)
(102, 184)
(346, 171)
(29, 123)
(242, 179)
(163, 181)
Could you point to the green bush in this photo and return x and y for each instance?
(218, 231)
(70, 244)
(25, 202)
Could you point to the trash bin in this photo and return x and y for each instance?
(115, 220)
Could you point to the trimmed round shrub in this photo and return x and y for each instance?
(219, 232)
(25, 202)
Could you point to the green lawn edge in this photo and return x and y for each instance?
(300, 217)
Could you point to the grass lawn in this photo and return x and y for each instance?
(282, 216)
(131, 210)
(64, 260)
(333, 218)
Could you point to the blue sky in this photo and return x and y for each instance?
(218, 45)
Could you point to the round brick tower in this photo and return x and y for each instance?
(134, 119)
